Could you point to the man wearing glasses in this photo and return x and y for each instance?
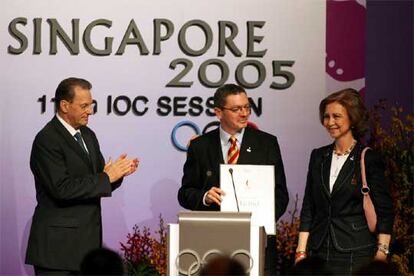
(70, 177)
(234, 142)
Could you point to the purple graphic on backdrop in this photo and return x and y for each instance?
(345, 40)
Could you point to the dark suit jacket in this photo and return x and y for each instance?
(341, 212)
(69, 184)
(202, 167)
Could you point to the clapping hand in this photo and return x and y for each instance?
(123, 166)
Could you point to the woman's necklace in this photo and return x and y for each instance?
(337, 166)
(348, 151)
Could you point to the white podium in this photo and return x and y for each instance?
(200, 236)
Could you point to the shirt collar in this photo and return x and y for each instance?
(224, 136)
(68, 127)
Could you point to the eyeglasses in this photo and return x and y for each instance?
(239, 109)
(87, 106)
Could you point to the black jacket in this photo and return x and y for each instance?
(341, 212)
(202, 167)
(69, 184)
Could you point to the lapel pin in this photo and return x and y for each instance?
(249, 149)
(352, 158)
(354, 180)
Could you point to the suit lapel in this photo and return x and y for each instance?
(346, 171)
(247, 146)
(216, 154)
(325, 170)
(91, 149)
(70, 141)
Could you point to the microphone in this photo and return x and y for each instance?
(234, 188)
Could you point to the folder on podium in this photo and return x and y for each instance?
(201, 235)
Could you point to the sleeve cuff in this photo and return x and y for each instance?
(204, 199)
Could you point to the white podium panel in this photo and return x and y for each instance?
(198, 253)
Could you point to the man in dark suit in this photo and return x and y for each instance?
(70, 177)
(200, 184)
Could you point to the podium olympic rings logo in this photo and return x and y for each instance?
(199, 262)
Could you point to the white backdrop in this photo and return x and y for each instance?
(292, 30)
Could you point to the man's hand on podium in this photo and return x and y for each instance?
(214, 195)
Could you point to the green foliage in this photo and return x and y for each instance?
(141, 269)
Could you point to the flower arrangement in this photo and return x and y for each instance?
(287, 233)
(145, 255)
(395, 143)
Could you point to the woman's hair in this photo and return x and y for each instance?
(351, 100)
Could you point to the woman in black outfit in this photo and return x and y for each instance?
(333, 224)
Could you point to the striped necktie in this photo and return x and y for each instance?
(234, 152)
(78, 137)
